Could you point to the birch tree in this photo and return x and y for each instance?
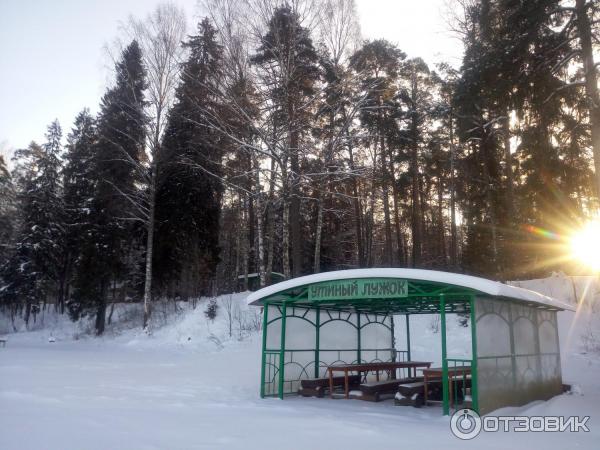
(160, 36)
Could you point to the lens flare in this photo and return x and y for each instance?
(542, 232)
(585, 245)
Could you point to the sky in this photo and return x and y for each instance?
(53, 61)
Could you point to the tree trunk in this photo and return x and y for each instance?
(270, 224)
(369, 228)
(243, 241)
(62, 283)
(416, 208)
(252, 241)
(149, 248)
(440, 220)
(286, 239)
(260, 227)
(453, 237)
(150, 219)
(101, 309)
(294, 203)
(510, 196)
(238, 245)
(112, 310)
(591, 82)
(487, 163)
(386, 205)
(396, 194)
(13, 313)
(416, 217)
(319, 227)
(360, 248)
(27, 314)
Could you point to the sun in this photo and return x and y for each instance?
(585, 245)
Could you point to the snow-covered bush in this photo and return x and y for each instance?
(590, 340)
(211, 309)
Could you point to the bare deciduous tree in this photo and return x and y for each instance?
(159, 35)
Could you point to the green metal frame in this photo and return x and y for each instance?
(408, 335)
(421, 297)
(275, 360)
(474, 389)
(446, 406)
(264, 347)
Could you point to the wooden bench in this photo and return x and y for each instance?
(413, 394)
(316, 387)
(3, 342)
(375, 391)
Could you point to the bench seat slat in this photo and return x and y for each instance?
(385, 386)
(324, 382)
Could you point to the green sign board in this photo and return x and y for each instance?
(358, 289)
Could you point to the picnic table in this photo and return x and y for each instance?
(454, 373)
(376, 367)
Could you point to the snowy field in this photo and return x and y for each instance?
(190, 386)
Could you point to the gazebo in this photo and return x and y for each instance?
(348, 317)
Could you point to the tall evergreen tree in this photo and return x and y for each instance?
(33, 271)
(479, 113)
(378, 63)
(7, 212)
(113, 239)
(416, 94)
(289, 65)
(189, 185)
(80, 183)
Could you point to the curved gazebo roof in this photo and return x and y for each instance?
(479, 286)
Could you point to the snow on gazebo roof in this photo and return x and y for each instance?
(485, 286)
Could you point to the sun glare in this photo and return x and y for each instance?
(585, 245)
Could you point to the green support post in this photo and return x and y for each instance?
(536, 341)
(282, 349)
(474, 389)
(393, 340)
(445, 399)
(408, 337)
(264, 347)
(513, 361)
(317, 339)
(555, 323)
(358, 354)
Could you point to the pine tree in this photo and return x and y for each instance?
(476, 104)
(417, 96)
(7, 212)
(549, 152)
(109, 256)
(33, 271)
(189, 186)
(335, 213)
(289, 67)
(80, 184)
(378, 63)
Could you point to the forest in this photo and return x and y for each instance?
(274, 141)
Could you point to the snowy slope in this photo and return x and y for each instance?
(190, 385)
(174, 325)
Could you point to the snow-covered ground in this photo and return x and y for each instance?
(191, 386)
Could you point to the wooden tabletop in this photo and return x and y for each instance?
(363, 367)
(376, 367)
